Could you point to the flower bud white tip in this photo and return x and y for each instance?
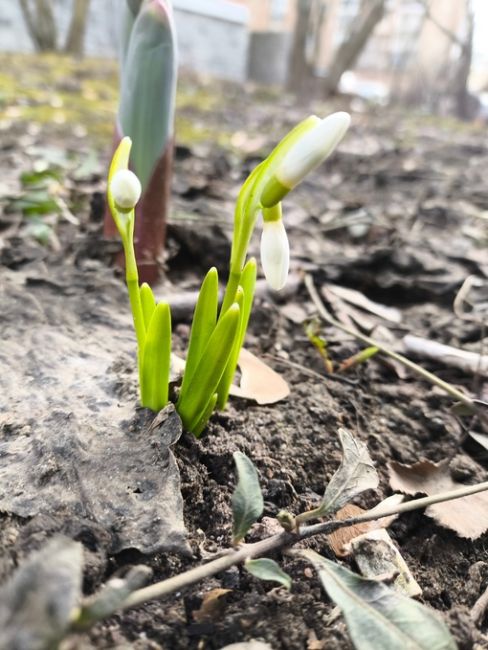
(275, 253)
(126, 189)
(312, 149)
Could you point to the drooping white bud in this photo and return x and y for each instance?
(275, 253)
(312, 149)
(126, 189)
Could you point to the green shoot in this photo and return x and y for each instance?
(216, 338)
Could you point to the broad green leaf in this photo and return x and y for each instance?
(356, 474)
(266, 569)
(247, 500)
(156, 356)
(148, 303)
(247, 283)
(41, 178)
(201, 422)
(203, 323)
(148, 87)
(36, 202)
(193, 401)
(377, 616)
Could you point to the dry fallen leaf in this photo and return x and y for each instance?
(258, 381)
(471, 362)
(339, 539)
(467, 516)
(342, 536)
(358, 299)
(376, 555)
(212, 607)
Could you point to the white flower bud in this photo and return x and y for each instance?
(126, 189)
(312, 149)
(275, 253)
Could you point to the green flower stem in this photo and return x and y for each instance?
(132, 280)
(249, 204)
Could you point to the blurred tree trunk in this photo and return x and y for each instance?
(39, 18)
(300, 69)
(463, 99)
(76, 34)
(362, 27)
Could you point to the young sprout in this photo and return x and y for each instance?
(148, 72)
(216, 338)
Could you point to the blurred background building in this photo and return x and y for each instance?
(429, 52)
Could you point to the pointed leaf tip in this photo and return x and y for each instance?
(247, 500)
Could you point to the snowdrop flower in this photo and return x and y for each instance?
(315, 145)
(275, 250)
(126, 189)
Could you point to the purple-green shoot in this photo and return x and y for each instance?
(148, 74)
(216, 338)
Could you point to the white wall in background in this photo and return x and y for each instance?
(212, 34)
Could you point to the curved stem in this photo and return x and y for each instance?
(425, 374)
(281, 540)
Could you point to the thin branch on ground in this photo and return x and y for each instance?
(480, 608)
(276, 542)
(425, 374)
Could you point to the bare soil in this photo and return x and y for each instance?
(416, 187)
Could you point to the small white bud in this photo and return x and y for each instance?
(312, 149)
(275, 253)
(126, 189)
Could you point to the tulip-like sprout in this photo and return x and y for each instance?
(216, 337)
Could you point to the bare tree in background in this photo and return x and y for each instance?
(300, 69)
(362, 27)
(463, 99)
(76, 33)
(451, 80)
(41, 25)
(39, 19)
(310, 16)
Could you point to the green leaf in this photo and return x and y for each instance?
(266, 569)
(377, 616)
(356, 474)
(193, 401)
(148, 303)
(40, 178)
(36, 202)
(247, 500)
(247, 283)
(146, 110)
(203, 324)
(156, 357)
(201, 422)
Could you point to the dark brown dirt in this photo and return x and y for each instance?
(418, 189)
